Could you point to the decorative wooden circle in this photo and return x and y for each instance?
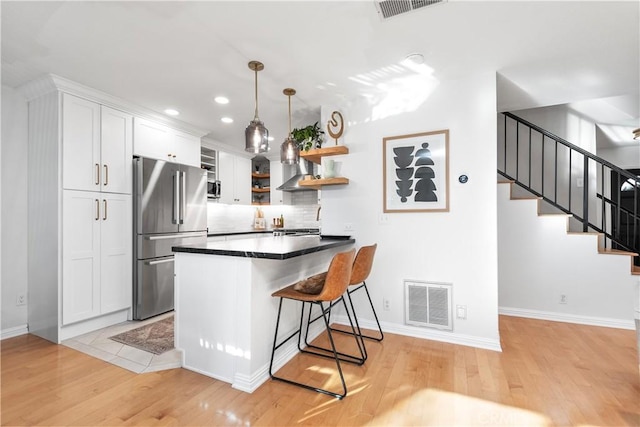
(334, 123)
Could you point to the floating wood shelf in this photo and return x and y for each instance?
(260, 175)
(316, 155)
(260, 204)
(317, 183)
(260, 190)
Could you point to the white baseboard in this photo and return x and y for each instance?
(14, 332)
(568, 318)
(285, 353)
(425, 333)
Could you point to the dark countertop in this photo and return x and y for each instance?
(276, 247)
(268, 231)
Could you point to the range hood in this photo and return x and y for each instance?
(305, 167)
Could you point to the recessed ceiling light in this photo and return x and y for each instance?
(171, 112)
(416, 58)
(221, 100)
(226, 120)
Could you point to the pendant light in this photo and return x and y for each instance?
(289, 153)
(256, 135)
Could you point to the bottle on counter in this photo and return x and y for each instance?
(281, 220)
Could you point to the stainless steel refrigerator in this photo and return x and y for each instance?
(170, 209)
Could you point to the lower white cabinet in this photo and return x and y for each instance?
(235, 176)
(96, 254)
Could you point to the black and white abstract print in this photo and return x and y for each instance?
(416, 168)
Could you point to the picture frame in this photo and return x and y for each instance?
(415, 172)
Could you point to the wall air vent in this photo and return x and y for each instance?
(390, 8)
(428, 304)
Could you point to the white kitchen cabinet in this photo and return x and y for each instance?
(79, 268)
(96, 254)
(116, 150)
(96, 147)
(187, 148)
(235, 176)
(278, 197)
(158, 141)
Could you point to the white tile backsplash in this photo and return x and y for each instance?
(233, 218)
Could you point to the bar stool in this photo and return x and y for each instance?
(333, 290)
(359, 273)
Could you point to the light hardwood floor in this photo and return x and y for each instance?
(549, 373)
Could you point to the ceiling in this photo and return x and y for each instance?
(182, 54)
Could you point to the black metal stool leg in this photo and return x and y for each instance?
(344, 357)
(349, 292)
(299, 331)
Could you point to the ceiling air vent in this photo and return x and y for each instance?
(390, 8)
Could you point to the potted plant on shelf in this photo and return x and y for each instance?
(308, 137)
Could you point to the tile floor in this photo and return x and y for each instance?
(98, 344)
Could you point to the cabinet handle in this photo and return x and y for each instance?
(106, 174)
(97, 174)
(104, 218)
(97, 209)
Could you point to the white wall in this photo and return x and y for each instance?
(459, 246)
(627, 157)
(14, 211)
(538, 261)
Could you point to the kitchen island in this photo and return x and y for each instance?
(224, 313)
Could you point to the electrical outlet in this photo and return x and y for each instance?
(383, 219)
(386, 306)
(461, 311)
(21, 299)
(563, 299)
(348, 226)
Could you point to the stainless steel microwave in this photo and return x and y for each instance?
(213, 189)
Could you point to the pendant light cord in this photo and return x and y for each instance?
(256, 80)
(289, 115)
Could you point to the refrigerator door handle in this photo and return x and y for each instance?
(159, 261)
(183, 193)
(175, 236)
(176, 198)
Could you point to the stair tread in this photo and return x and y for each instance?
(525, 198)
(591, 233)
(616, 252)
(635, 270)
(555, 214)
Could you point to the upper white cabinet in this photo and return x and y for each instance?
(96, 147)
(235, 178)
(116, 150)
(277, 196)
(155, 140)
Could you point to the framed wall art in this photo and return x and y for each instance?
(415, 172)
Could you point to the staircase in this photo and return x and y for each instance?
(600, 197)
(567, 249)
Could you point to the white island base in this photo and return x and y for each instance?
(225, 315)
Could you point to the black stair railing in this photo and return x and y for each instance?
(601, 196)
